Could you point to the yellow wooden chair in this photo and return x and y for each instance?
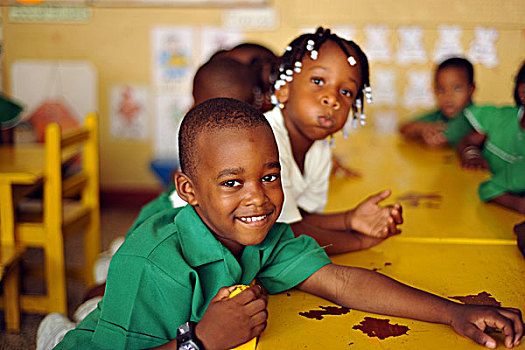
(69, 204)
(9, 275)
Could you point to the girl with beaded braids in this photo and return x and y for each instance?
(321, 80)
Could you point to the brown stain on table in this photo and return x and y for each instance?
(482, 298)
(419, 199)
(325, 310)
(380, 328)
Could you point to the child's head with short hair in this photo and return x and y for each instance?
(321, 78)
(262, 60)
(230, 171)
(519, 86)
(224, 77)
(454, 85)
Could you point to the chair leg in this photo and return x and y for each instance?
(91, 247)
(55, 271)
(11, 298)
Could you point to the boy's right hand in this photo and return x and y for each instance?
(228, 323)
(472, 320)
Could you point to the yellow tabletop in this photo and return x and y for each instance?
(448, 270)
(19, 165)
(439, 198)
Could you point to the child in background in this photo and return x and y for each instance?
(262, 60)
(322, 78)
(224, 77)
(498, 144)
(453, 88)
(169, 283)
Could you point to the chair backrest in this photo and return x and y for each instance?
(66, 151)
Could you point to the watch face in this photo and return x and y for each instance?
(188, 346)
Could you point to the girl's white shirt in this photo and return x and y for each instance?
(308, 190)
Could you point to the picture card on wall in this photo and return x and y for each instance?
(129, 111)
(448, 43)
(173, 56)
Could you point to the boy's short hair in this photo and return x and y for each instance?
(221, 75)
(460, 63)
(210, 116)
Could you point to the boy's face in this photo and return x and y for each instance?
(317, 101)
(453, 91)
(236, 189)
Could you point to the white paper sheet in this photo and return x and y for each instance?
(384, 91)
(418, 91)
(169, 111)
(449, 43)
(483, 48)
(410, 49)
(377, 43)
(173, 57)
(129, 111)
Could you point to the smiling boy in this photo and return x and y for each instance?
(177, 269)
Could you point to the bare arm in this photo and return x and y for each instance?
(413, 130)
(336, 241)
(370, 291)
(429, 134)
(511, 201)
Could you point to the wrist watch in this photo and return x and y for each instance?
(186, 338)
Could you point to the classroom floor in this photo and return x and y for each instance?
(115, 221)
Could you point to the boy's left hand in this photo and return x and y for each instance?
(471, 321)
(370, 219)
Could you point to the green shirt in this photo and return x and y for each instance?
(168, 270)
(504, 148)
(162, 202)
(456, 127)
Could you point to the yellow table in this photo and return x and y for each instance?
(21, 166)
(446, 205)
(452, 244)
(448, 270)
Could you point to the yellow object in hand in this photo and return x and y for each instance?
(251, 344)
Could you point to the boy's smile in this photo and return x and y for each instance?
(237, 185)
(453, 91)
(319, 98)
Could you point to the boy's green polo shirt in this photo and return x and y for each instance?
(504, 148)
(456, 128)
(162, 202)
(169, 269)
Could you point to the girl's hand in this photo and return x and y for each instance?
(471, 321)
(228, 323)
(373, 220)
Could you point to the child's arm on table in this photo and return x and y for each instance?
(511, 201)
(370, 291)
(469, 151)
(337, 241)
(427, 133)
(368, 218)
(228, 323)
(519, 230)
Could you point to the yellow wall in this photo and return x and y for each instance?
(117, 42)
